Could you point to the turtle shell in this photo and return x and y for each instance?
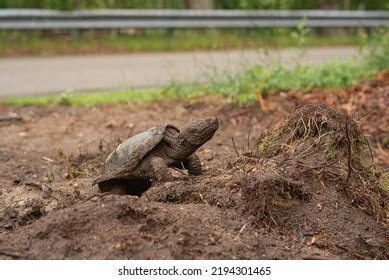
(129, 154)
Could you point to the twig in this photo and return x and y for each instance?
(360, 236)
(248, 139)
(318, 167)
(368, 114)
(50, 160)
(12, 255)
(349, 151)
(274, 221)
(261, 101)
(183, 171)
(202, 199)
(317, 258)
(147, 196)
(101, 140)
(355, 254)
(11, 119)
(98, 195)
(370, 150)
(236, 150)
(240, 232)
(220, 235)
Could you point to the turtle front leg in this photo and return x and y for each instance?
(193, 165)
(160, 171)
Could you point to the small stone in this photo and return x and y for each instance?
(10, 212)
(8, 226)
(110, 125)
(23, 134)
(77, 193)
(17, 181)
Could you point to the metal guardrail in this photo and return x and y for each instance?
(26, 19)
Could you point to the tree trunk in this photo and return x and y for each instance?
(328, 4)
(36, 4)
(199, 4)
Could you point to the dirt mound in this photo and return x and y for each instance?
(292, 196)
(210, 189)
(317, 133)
(311, 176)
(117, 227)
(368, 102)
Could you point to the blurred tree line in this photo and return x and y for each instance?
(197, 4)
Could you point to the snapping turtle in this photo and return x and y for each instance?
(146, 157)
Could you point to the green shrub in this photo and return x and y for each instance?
(373, 58)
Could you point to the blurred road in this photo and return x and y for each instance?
(51, 75)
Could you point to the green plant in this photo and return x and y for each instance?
(277, 77)
(336, 74)
(378, 49)
(300, 36)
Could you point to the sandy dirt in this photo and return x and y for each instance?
(257, 205)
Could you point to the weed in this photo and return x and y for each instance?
(241, 87)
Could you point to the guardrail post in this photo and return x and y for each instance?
(245, 31)
(170, 32)
(78, 34)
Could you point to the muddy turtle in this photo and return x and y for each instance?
(147, 156)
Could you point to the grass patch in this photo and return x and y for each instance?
(244, 87)
(108, 97)
(39, 43)
(384, 178)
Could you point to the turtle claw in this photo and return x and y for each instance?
(193, 165)
(161, 170)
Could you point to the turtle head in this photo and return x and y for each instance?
(199, 131)
(182, 143)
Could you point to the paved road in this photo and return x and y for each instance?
(50, 75)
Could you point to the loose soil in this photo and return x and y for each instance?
(281, 193)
